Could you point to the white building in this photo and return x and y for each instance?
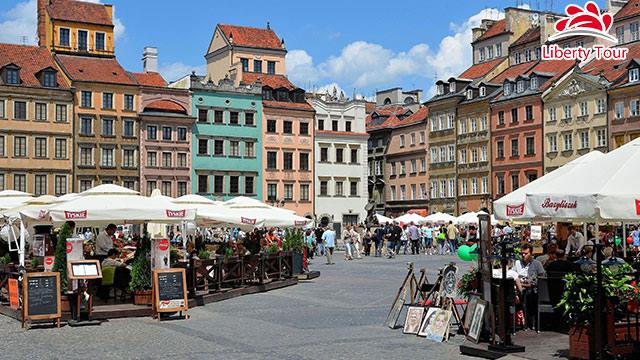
(340, 160)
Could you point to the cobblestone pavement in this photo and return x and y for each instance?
(337, 316)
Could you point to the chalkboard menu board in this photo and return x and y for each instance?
(41, 296)
(170, 290)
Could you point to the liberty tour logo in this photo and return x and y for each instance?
(515, 210)
(587, 21)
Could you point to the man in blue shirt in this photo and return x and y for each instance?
(329, 239)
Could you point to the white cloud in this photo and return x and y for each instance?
(363, 64)
(21, 21)
(174, 71)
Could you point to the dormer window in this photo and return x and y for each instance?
(49, 79)
(12, 75)
(267, 94)
(452, 87)
(534, 83)
(282, 95)
(440, 89)
(634, 75)
(483, 91)
(469, 94)
(506, 88)
(520, 86)
(516, 58)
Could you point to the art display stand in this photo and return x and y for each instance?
(410, 286)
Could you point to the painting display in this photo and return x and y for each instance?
(475, 329)
(413, 320)
(436, 324)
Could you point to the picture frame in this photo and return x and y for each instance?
(436, 324)
(449, 285)
(477, 321)
(413, 320)
(468, 311)
(426, 320)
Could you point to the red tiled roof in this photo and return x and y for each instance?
(166, 106)
(252, 37)
(287, 105)
(393, 121)
(613, 70)
(391, 110)
(416, 117)
(382, 125)
(331, 132)
(556, 67)
(500, 27)
(632, 8)
(272, 81)
(31, 60)
(531, 35)
(79, 11)
(512, 71)
(479, 70)
(149, 79)
(106, 70)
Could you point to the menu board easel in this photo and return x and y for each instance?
(170, 292)
(41, 297)
(84, 269)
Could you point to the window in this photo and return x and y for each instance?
(100, 41)
(474, 155)
(619, 107)
(203, 147)
(517, 58)
(182, 188)
(583, 108)
(485, 184)
(288, 160)
(19, 110)
(568, 142)
(584, 139)
(531, 148)
(2, 111)
(128, 128)
(304, 128)
(40, 185)
(602, 137)
(324, 188)
(257, 66)
(107, 127)
(324, 154)
(41, 112)
(271, 126)
(443, 154)
(463, 157)
(245, 64)
(414, 166)
(304, 192)
(422, 137)
(267, 94)
(2, 151)
(203, 115)
(82, 40)
(303, 161)
(490, 52)
(531, 177)
(474, 125)
(452, 188)
(401, 140)
(440, 89)
(520, 84)
(527, 55)
(567, 112)
(514, 147)
(498, 50)
(40, 147)
(463, 187)
(452, 87)
(320, 124)
(434, 189)
(166, 188)
(271, 67)
(49, 79)
(86, 99)
(633, 75)
(151, 185)
(414, 195)
(182, 160)
(61, 113)
(483, 123)
(463, 126)
(166, 133)
(514, 115)
(60, 185)
(248, 119)
(500, 118)
(248, 185)
(19, 146)
(334, 125)
(552, 114)
(339, 155)
(620, 34)
(218, 117)
(506, 88)
(634, 31)
(634, 107)
(166, 160)
(12, 76)
(234, 118)
(128, 158)
(128, 102)
(203, 184)
(481, 54)
(500, 149)
(528, 111)
(443, 188)
(474, 186)
(152, 159)
(450, 121)
(86, 156)
(107, 157)
(218, 184)
(338, 189)
(553, 142)
(250, 149)
(63, 37)
(234, 184)
(354, 156)
(20, 182)
(218, 148)
(152, 132)
(272, 162)
(469, 94)
(423, 165)
(483, 153)
(287, 127)
(403, 192)
(85, 185)
(107, 100)
(533, 85)
(514, 182)
(452, 153)
(601, 106)
(434, 155)
(353, 188)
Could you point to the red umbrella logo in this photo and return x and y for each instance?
(584, 21)
(69, 247)
(48, 261)
(163, 244)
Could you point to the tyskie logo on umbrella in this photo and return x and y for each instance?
(515, 210)
(74, 215)
(584, 21)
(249, 221)
(175, 213)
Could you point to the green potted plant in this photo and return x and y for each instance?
(294, 244)
(468, 283)
(60, 262)
(203, 254)
(140, 283)
(578, 303)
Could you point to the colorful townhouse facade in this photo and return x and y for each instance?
(36, 122)
(340, 172)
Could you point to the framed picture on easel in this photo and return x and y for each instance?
(476, 322)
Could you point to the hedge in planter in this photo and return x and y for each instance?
(140, 282)
(60, 260)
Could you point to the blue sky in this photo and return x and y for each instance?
(361, 45)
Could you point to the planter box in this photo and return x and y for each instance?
(64, 304)
(143, 297)
(579, 344)
(297, 263)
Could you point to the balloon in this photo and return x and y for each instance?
(629, 240)
(472, 252)
(463, 253)
(618, 240)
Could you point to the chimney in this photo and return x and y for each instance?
(150, 59)
(42, 34)
(476, 33)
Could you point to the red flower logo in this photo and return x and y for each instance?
(584, 21)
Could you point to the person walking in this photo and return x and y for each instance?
(404, 240)
(442, 239)
(368, 239)
(348, 242)
(414, 237)
(379, 240)
(329, 240)
(452, 234)
(427, 233)
(356, 240)
(394, 235)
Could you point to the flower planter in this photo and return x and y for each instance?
(143, 297)
(64, 304)
(297, 262)
(579, 344)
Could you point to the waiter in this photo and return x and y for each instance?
(104, 242)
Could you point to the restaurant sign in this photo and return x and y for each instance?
(175, 213)
(248, 221)
(515, 210)
(75, 215)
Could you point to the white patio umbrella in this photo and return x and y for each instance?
(12, 198)
(194, 199)
(250, 211)
(410, 218)
(512, 206)
(109, 203)
(383, 219)
(471, 218)
(440, 218)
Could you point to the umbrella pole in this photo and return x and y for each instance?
(22, 244)
(624, 240)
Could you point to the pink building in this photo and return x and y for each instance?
(165, 136)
